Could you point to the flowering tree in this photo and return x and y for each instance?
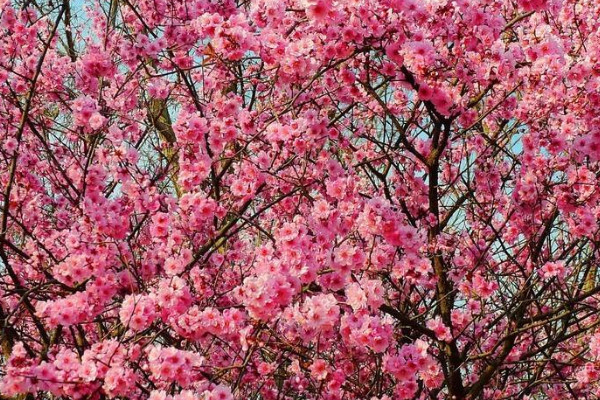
(299, 199)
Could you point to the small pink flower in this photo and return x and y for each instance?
(10, 145)
(442, 332)
(394, 53)
(319, 10)
(318, 369)
(553, 269)
(220, 392)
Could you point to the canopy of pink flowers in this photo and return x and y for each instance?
(299, 199)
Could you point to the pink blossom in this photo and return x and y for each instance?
(441, 331)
